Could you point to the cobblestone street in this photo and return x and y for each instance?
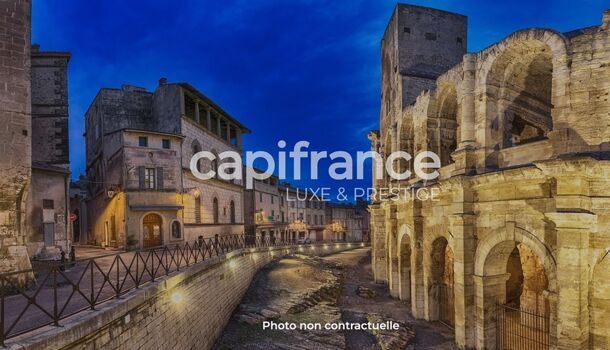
(334, 289)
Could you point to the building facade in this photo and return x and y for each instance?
(347, 222)
(49, 201)
(521, 130)
(33, 107)
(139, 147)
(263, 210)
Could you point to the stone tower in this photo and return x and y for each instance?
(418, 45)
(15, 118)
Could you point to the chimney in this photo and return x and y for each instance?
(162, 81)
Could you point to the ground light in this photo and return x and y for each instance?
(177, 297)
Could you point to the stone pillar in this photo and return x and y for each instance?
(467, 119)
(464, 156)
(378, 243)
(418, 305)
(197, 117)
(238, 135)
(573, 230)
(462, 226)
(490, 291)
(392, 249)
(208, 117)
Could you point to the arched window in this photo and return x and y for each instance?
(448, 124)
(215, 209)
(196, 148)
(519, 86)
(232, 212)
(176, 230)
(197, 209)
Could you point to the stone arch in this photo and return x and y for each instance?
(440, 281)
(492, 259)
(599, 304)
(510, 233)
(404, 263)
(405, 143)
(448, 125)
(522, 79)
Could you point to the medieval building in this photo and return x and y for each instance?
(139, 148)
(518, 236)
(34, 165)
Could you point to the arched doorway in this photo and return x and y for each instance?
(405, 269)
(599, 306)
(448, 123)
(440, 293)
(513, 284)
(151, 230)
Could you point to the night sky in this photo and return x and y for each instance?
(292, 70)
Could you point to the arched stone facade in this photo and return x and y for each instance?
(523, 205)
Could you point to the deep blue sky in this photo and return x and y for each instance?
(293, 70)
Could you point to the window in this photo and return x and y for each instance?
(308, 219)
(260, 197)
(407, 30)
(430, 36)
(197, 210)
(315, 219)
(214, 121)
(232, 212)
(149, 178)
(233, 136)
(215, 209)
(458, 40)
(273, 214)
(143, 141)
(165, 143)
(47, 204)
(282, 200)
(196, 148)
(176, 230)
(190, 108)
(271, 199)
(283, 219)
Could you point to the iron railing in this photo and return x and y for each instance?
(60, 290)
(518, 329)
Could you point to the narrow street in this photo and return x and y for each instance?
(331, 290)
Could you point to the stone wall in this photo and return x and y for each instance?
(149, 318)
(15, 116)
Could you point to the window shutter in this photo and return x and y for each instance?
(159, 178)
(141, 176)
